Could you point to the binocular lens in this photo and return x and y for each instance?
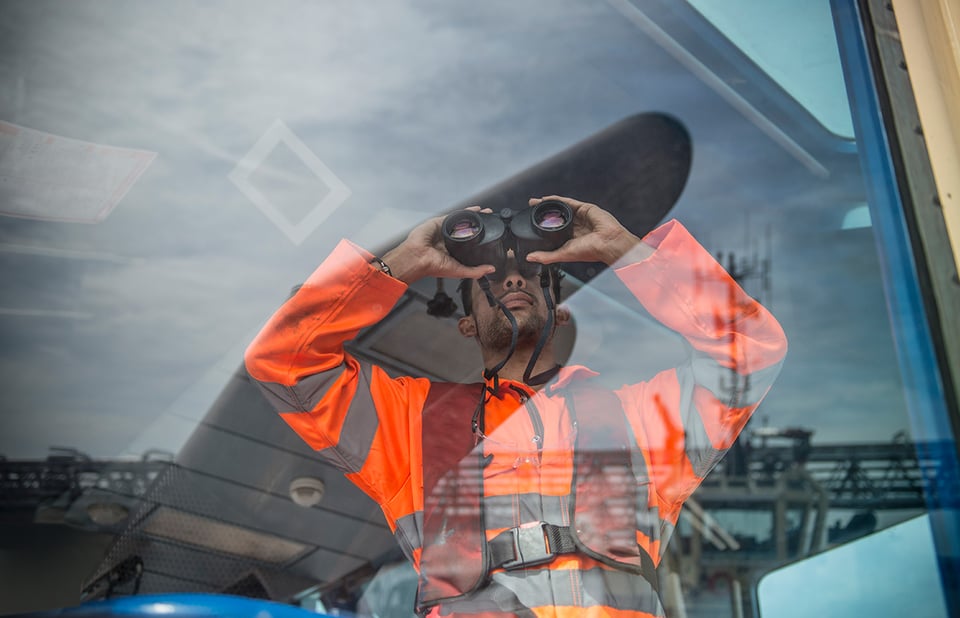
(551, 219)
(464, 229)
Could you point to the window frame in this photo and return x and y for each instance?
(918, 267)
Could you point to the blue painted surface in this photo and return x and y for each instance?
(928, 411)
(184, 606)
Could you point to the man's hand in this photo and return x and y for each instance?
(597, 237)
(422, 254)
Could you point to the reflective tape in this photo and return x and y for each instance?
(360, 422)
(519, 591)
(409, 533)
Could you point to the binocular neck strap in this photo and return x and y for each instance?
(540, 378)
(514, 333)
(544, 335)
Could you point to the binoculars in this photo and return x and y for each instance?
(475, 238)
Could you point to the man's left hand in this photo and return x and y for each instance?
(597, 236)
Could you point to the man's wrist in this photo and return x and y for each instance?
(378, 263)
(622, 245)
(401, 265)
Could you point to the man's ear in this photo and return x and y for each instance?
(562, 315)
(467, 326)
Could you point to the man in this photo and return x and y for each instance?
(550, 499)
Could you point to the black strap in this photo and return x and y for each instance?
(504, 548)
(558, 540)
(501, 549)
(545, 334)
(494, 372)
(561, 539)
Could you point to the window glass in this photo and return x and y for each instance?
(871, 587)
(170, 174)
(808, 68)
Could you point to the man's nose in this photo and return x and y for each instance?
(513, 279)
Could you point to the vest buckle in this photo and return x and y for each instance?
(530, 546)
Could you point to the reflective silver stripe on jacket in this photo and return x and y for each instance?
(517, 591)
(409, 533)
(360, 421)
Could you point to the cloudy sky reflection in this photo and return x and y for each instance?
(108, 328)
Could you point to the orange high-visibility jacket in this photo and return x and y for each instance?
(678, 424)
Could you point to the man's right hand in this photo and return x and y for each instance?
(422, 254)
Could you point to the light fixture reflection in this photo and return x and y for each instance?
(107, 513)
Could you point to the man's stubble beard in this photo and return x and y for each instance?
(497, 332)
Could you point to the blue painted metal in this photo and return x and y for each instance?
(183, 606)
(924, 391)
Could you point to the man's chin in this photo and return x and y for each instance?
(527, 320)
(528, 334)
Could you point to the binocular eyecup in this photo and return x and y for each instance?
(475, 238)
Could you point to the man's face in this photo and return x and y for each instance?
(522, 296)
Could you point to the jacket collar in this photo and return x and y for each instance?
(564, 377)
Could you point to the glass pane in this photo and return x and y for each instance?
(808, 68)
(170, 174)
(870, 587)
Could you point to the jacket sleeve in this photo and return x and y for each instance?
(686, 418)
(350, 411)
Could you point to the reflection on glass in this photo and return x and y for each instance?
(890, 573)
(613, 467)
(124, 334)
(808, 69)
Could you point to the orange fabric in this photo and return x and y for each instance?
(318, 427)
(306, 336)
(703, 302)
(660, 435)
(650, 545)
(723, 424)
(680, 284)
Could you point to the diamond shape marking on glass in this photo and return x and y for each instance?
(240, 176)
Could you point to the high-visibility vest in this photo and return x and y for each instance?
(457, 558)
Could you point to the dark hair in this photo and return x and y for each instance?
(466, 289)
